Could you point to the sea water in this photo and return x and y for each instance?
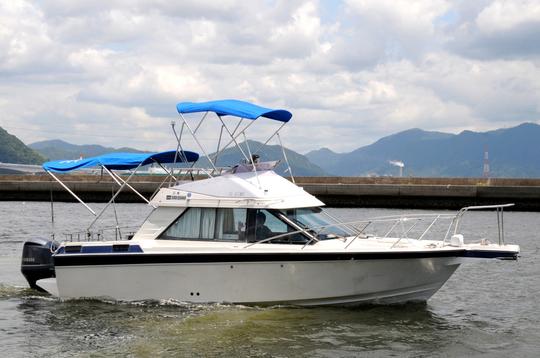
(487, 308)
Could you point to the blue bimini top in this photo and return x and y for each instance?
(233, 107)
(120, 161)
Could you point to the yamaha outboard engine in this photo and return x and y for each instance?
(37, 262)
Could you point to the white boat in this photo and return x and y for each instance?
(250, 236)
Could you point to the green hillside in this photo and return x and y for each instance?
(12, 150)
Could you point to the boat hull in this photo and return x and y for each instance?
(306, 283)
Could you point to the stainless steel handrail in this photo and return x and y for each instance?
(396, 220)
(100, 234)
(500, 223)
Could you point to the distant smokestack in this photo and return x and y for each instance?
(485, 172)
(398, 163)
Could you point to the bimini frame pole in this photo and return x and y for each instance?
(234, 134)
(285, 157)
(112, 199)
(269, 138)
(52, 214)
(252, 162)
(169, 173)
(234, 138)
(230, 142)
(196, 140)
(179, 148)
(118, 179)
(218, 145)
(71, 192)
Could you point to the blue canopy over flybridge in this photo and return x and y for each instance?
(236, 108)
(121, 161)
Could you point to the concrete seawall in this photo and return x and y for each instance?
(435, 193)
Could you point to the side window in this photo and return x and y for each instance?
(208, 224)
(274, 224)
(265, 224)
(230, 224)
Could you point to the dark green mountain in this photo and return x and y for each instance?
(513, 152)
(58, 149)
(12, 150)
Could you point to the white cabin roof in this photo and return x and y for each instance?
(266, 189)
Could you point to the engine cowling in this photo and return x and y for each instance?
(37, 262)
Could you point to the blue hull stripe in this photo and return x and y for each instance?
(101, 249)
(128, 258)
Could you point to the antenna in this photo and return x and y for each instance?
(485, 172)
(398, 163)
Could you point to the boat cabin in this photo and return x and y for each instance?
(239, 207)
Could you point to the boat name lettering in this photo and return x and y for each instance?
(176, 197)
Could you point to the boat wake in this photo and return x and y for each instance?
(10, 291)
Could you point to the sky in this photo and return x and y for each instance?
(111, 72)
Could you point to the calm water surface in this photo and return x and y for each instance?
(488, 308)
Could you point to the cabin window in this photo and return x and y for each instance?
(321, 224)
(208, 224)
(265, 224)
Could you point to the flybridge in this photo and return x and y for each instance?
(112, 162)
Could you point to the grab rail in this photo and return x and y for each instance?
(455, 221)
(359, 226)
(101, 234)
(500, 219)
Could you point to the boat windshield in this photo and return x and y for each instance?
(323, 225)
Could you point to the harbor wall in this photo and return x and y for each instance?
(389, 192)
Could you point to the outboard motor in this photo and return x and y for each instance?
(37, 262)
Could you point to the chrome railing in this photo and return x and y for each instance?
(500, 217)
(405, 223)
(115, 233)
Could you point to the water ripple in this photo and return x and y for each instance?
(488, 308)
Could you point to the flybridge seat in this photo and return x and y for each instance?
(121, 161)
(259, 166)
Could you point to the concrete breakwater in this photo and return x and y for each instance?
(432, 193)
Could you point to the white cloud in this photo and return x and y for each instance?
(401, 27)
(498, 29)
(409, 15)
(112, 72)
(25, 45)
(507, 14)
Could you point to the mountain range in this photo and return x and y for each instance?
(300, 165)
(512, 152)
(57, 149)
